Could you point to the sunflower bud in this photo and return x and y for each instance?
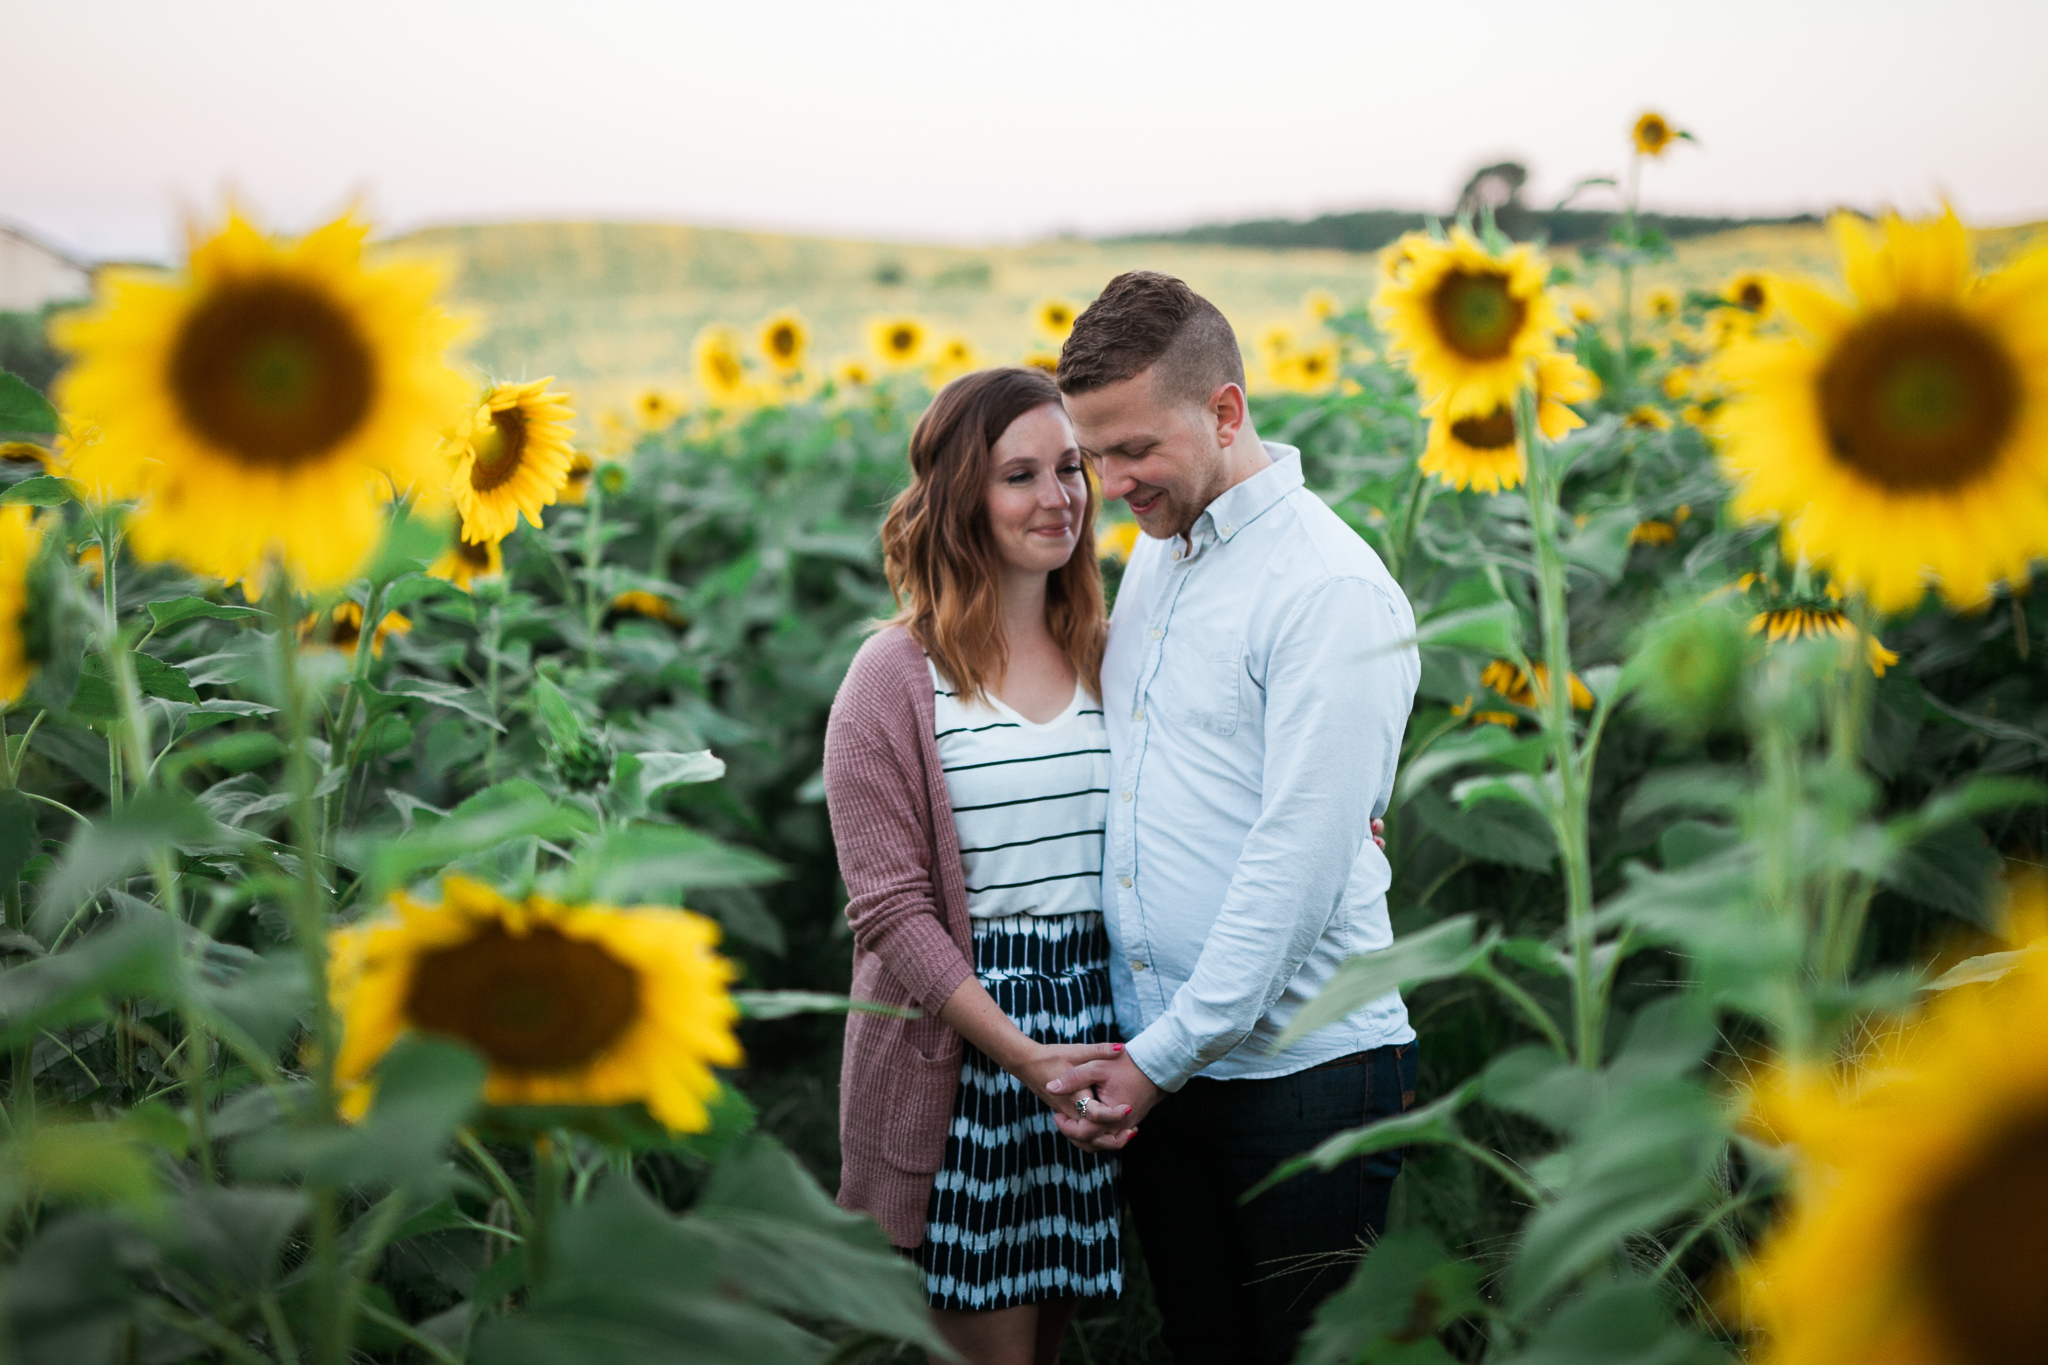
(1688, 670)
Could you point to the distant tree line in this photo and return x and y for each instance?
(1498, 187)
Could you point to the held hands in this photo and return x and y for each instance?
(1045, 1066)
(1119, 1095)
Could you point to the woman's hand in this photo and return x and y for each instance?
(1046, 1062)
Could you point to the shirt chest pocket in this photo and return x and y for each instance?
(1200, 672)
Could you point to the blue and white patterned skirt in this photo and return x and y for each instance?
(1018, 1214)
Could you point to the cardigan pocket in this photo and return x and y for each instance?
(921, 1108)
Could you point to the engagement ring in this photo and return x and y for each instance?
(1081, 1106)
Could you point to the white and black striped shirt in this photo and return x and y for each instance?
(1029, 802)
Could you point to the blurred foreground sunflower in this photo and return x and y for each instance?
(1900, 436)
(511, 457)
(1918, 1223)
(20, 538)
(784, 340)
(1481, 452)
(266, 401)
(1115, 541)
(1468, 323)
(569, 1005)
(1782, 624)
(897, 341)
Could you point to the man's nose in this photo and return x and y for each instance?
(1115, 483)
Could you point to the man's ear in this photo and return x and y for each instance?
(1228, 408)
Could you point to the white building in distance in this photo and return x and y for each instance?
(34, 273)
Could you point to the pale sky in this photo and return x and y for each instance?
(968, 122)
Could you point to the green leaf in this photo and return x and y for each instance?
(1980, 795)
(1601, 545)
(1975, 970)
(23, 409)
(564, 726)
(1617, 1324)
(18, 839)
(42, 490)
(119, 845)
(492, 817)
(658, 770)
(1479, 744)
(1405, 1290)
(264, 1001)
(1512, 835)
(410, 542)
(1433, 1123)
(642, 861)
(1950, 867)
(237, 752)
(179, 610)
(136, 958)
(417, 588)
(95, 700)
(235, 1238)
(1493, 630)
(1442, 950)
(467, 700)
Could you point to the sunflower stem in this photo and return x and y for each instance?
(593, 548)
(309, 927)
(547, 1205)
(358, 678)
(1847, 896)
(1554, 700)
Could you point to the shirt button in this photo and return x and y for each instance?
(1123, 881)
(1138, 714)
(1156, 632)
(1127, 796)
(1137, 964)
(1226, 530)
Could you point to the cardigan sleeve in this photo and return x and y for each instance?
(880, 807)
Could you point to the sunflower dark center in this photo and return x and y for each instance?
(345, 629)
(477, 557)
(1495, 431)
(782, 341)
(901, 339)
(1919, 400)
(1750, 296)
(498, 448)
(271, 372)
(541, 1001)
(1985, 1255)
(1477, 315)
(1655, 133)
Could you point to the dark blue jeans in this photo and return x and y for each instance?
(1241, 1282)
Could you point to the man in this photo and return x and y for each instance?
(1259, 675)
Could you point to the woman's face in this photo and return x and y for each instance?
(1037, 491)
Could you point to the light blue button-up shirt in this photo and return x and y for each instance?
(1256, 687)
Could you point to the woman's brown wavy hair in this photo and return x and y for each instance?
(941, 557)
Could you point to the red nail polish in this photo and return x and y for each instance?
(1116, 1047)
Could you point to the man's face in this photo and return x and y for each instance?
(1158, 453)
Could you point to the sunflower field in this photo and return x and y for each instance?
(367, 733)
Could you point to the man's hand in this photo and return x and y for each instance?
(1125, 1093)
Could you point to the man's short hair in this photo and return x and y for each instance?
(1144, 319)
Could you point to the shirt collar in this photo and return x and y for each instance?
(1239, 505)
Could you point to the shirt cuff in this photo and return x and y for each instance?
(1165, 1053)
(922, 956)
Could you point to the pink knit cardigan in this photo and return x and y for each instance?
(907, 904)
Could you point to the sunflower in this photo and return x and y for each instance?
(1654, 134)
(345, 629)
(569, 1005)
(721, 366)
(656, 409)
(466, 560)
(956, 356)
(1321, 304)
(1583, 311)
(576, 487)
(1055, 318)
(1781, 624)
(1481, 452)
(784, 339)
(25, 455)
(898, 341)
(1116, 540)
(1903, 435)
(1750, 291)
(1514, 685)
(265, 402)
(1652, 533)
(1048, 361)
(20, 538)
(511, 457)
(852, 372)
(1277, 342)
(1464, 708)
(1917, 1230)
(1679, 382)
(1662, 303)
(647, 604)
(1647, 417)
(1468, 323)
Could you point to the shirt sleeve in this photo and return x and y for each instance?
(1339, 685)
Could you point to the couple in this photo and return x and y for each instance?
(1057, 832)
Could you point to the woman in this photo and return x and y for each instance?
(967, 770)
